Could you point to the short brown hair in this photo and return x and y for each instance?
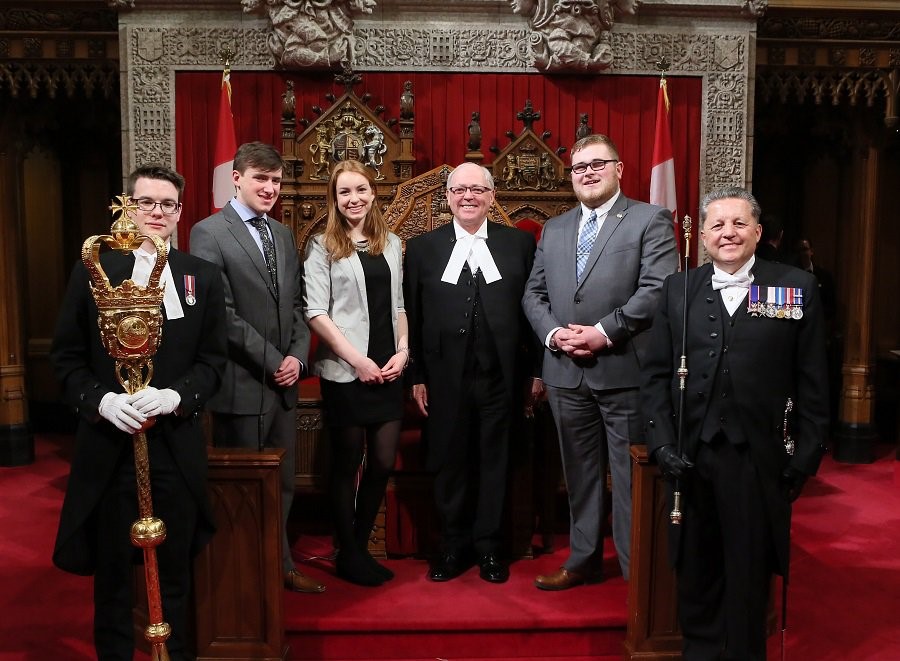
(258, 155)
(595, 139)
(154, 171)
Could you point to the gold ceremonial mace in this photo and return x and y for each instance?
(130, 323)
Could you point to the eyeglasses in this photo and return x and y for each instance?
(475, 190)
(597, 165)
(147, 205)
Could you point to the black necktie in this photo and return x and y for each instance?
(268, 248)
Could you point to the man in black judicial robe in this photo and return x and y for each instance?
(470, 344)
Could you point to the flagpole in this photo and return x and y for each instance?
(226, 141)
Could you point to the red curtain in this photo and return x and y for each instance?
(622, 107)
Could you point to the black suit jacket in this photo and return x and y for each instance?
(770, 360)
(438, 314)
(190, 360)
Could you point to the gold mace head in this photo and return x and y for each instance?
(129, 315)
(148, 532)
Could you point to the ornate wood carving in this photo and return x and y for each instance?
(347, 129)
(420, 205)
(58, 52)
(833, 58)
(530, 177)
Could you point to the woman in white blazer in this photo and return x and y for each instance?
(353, 300)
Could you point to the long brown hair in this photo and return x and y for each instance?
(337, 239)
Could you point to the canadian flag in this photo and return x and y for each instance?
(226, 145)
(662, 176)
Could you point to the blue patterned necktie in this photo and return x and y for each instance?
(585, 242)
(268, 248)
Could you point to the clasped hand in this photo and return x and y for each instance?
(580, 341)
(132, 413)
(368, 371)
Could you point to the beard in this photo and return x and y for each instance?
(595, 195)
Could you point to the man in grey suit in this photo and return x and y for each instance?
(592, 292)
(268, 339)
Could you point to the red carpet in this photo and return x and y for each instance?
(844, 599)
(415, 618)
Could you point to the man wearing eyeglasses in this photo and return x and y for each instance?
(592, 293)
(462, 287)
(101, 501)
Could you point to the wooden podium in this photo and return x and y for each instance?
(237, 608)
(652, 628)
(238, 581)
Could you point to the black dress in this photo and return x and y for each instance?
(355, 403)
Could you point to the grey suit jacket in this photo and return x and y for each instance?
(632, 255)
(338, 289)
(262, 328)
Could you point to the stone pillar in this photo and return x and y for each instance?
(855, 436)
(16, 440)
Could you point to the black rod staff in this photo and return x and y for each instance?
(675, 515)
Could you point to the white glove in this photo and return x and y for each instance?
(116, 408)
(152, 402)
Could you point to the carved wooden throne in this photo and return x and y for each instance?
(347, 129)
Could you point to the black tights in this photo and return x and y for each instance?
(354, 510)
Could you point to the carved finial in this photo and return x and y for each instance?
(545, 135)
(348, 79)
(226, 57)
(663, 65)
(583, 130)
(406, 101)
(474, 130)
(317, 110)
(379, 110)
(528, 116)
(288, 102)
(365, 98)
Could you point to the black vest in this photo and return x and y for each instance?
(481, 351)
(722, 415)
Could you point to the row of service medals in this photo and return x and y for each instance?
(776, 302)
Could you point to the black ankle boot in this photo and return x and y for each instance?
(383, 572)
(355, 568)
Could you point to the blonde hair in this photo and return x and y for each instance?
(336, 236)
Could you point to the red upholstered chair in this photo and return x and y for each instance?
(530, 225)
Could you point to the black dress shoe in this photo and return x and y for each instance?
(493, 570)
(449, 566)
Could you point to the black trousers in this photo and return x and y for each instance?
(727, 556)
(116, 556)
(470, 487)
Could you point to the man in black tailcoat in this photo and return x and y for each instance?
(101, 497)
(755, 347)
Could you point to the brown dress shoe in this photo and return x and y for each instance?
(298, 582)
(563, 579)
